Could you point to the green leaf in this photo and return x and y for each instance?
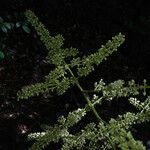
(26, 29)
(8, 25)
(1, 55)
(18, 24)
(4, 29)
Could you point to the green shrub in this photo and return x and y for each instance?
(6, 25)
(112, 134)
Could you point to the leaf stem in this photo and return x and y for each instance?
(86, 97)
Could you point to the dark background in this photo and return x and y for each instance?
(86, 25)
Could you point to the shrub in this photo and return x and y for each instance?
(112, 134)
(6, 27)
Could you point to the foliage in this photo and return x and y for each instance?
(96, 135)
(1, 55)
(7, 26)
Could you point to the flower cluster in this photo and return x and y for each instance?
(103, 135)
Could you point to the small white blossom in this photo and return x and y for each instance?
(36, 135)
(95, 97)
(134, 101)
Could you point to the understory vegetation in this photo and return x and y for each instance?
(75, 130)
